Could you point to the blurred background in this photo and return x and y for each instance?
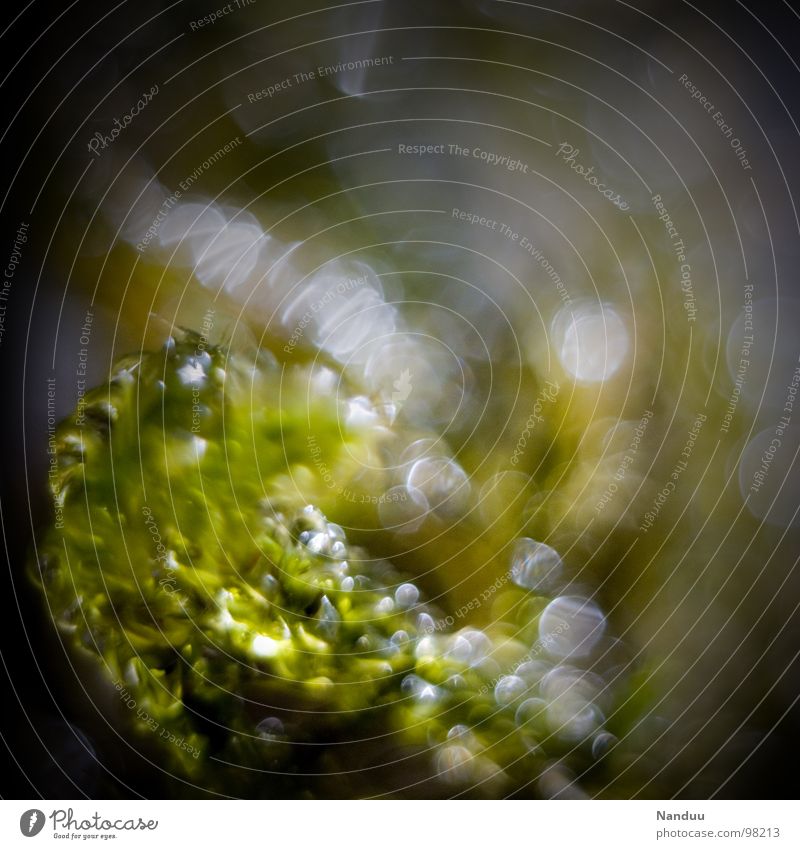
(557, 240)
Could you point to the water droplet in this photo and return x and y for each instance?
(460, 732)
(420, 448)
(406, 595)
(535, 565)
(349, 316)
(403, 510)
(443, 483)
(572, 719)
(423, 691)
(508, 689)
(328, 620)
(336, 532)
(454, 764)
(426, 648)
(460, 649)
(230, 255)
(570, 694)
(531, 713)
(316, 543)
(271, 729)
(425, 623)
(532, 671)
(571, 627)
(384, 606)
(602, 744)
(592, 341)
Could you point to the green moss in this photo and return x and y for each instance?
(238, 626)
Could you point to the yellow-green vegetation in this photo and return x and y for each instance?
(197, 562)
